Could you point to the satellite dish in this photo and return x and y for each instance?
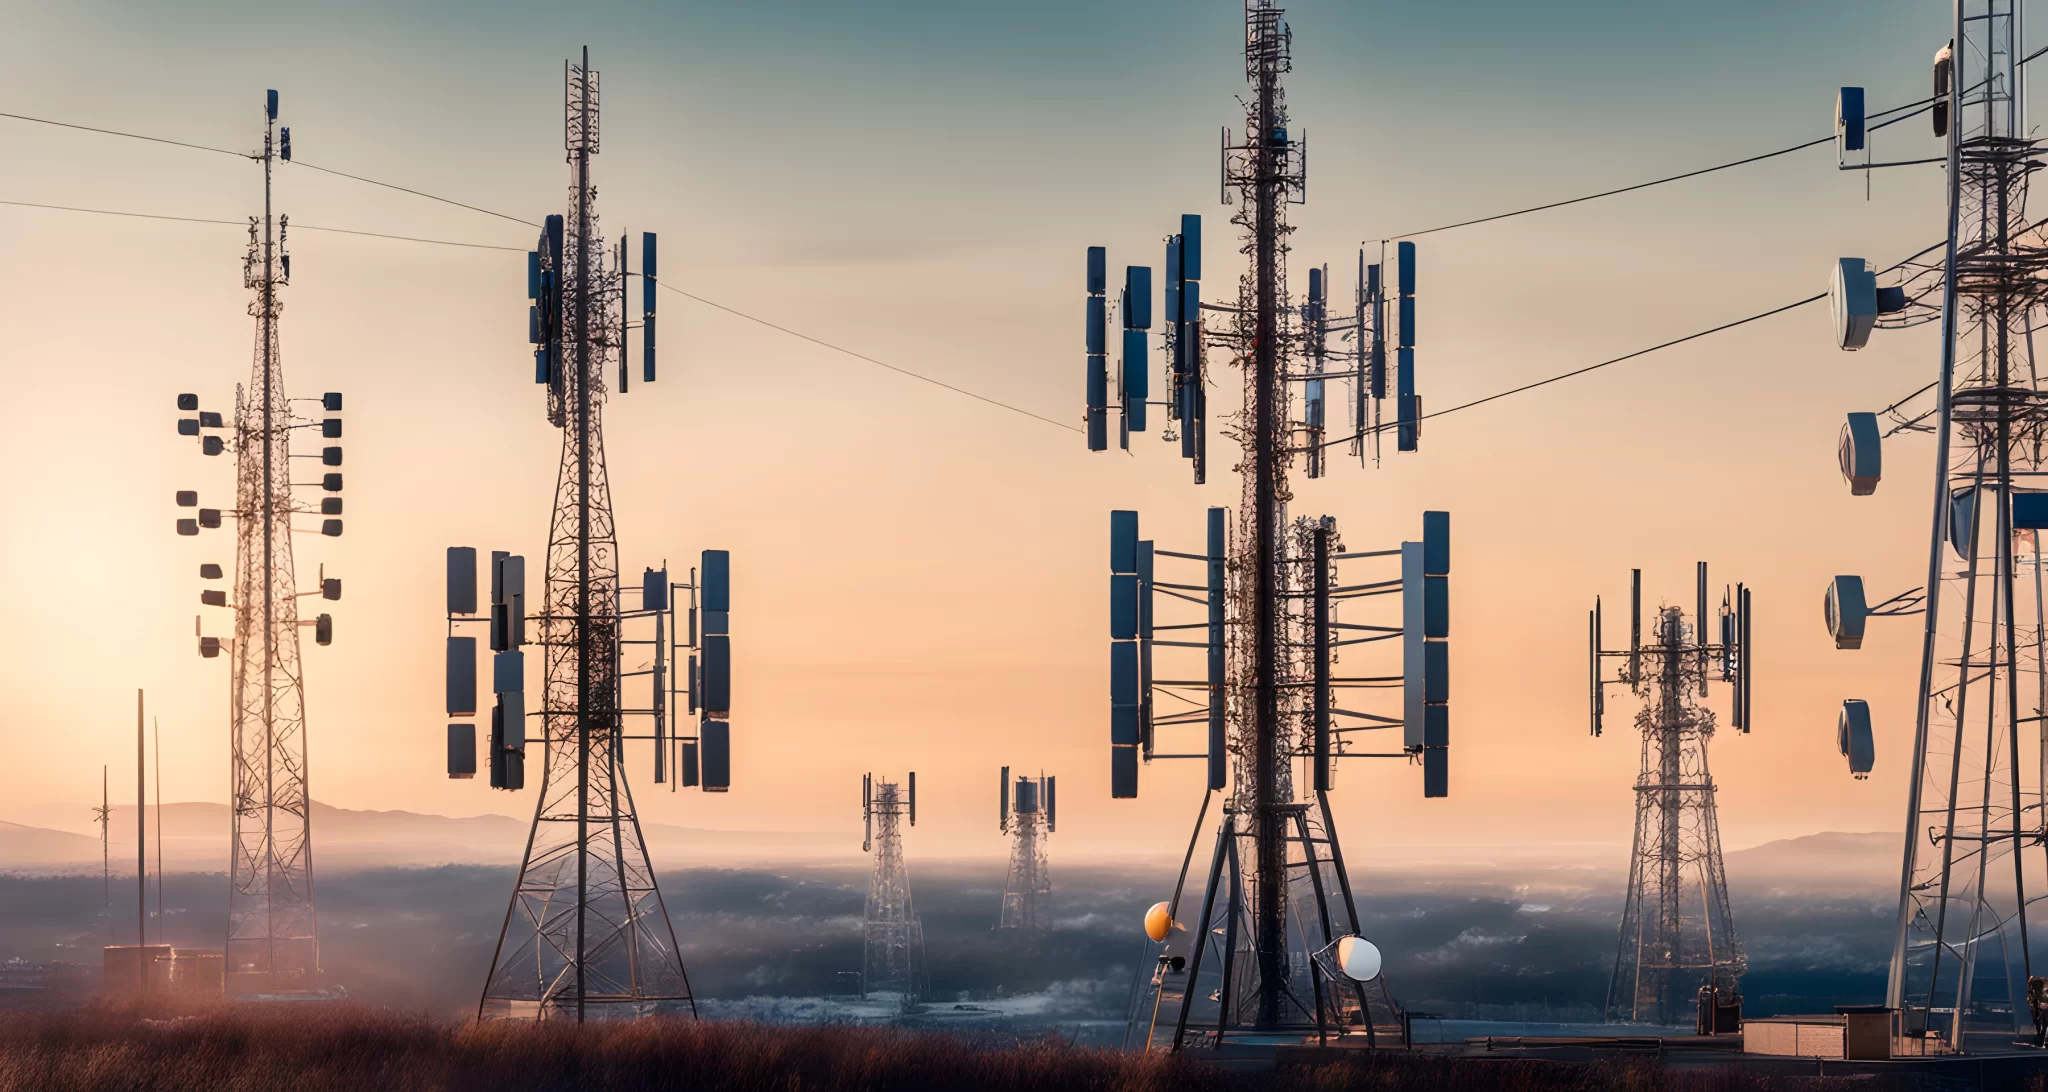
(1358, 958)
(1158, 922)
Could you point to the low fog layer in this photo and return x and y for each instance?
(784, 943)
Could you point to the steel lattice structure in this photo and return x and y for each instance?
(892, 937)
(1028, 818)
(586, 932)
(1277, 893)
(272, 945)
(1677, 935)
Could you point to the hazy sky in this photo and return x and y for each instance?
(920, 578)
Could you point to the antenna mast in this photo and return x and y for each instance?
(586, 932)
(1972, 804)
(892, 953)
(1277, 898)
(272, 942)
(1677, 946)
(1028, 817)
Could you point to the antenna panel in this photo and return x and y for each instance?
(1003, 800)
(462, 580)
(654, 589)
(512, 711)
(1123, 541)
(462, 676)
(1123, 607)
(716, 696)
(1191, 246)
(715, 755)
(691, 779)
(1849, 121)
(2029, 511)
(1852, 302)
(1404, 256)
(1854, 738)
(1027, 797)
(1962, 505)
(508, 671)
(462, 751)
(1845, 610)
(1123, 694)
(1138, 297)
(913, 798)
(1861, 454)
(1052, 814)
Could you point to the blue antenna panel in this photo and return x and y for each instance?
(533, 276)
(1123, 694)
(690, 764)
(1123, 541)
(511, 710)
(1404, 254)
(1849, 122)
(1436, 543)
(1406, 329)
(715, 573)
(270, 104)
(2030, 511)
(1191, 246)
(648, 281)
(1027, 797)
(1098, 271)
(1098, 402)
(716, 755)
(1137, 377)
(508, 671)
(1138, 297)
(1173, 279)
(1144, 579)
(1315, 284)
(1098, 325)
(1436, 757)
(1372, 282)
(654, 589)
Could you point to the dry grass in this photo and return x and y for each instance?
(330, 1048)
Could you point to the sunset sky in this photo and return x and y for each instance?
(920, 578)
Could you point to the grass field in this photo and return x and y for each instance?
(318, 1048)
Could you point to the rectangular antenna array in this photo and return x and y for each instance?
(1124, 676)
(1097, 335)
(1408, 406)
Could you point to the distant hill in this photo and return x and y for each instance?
(1831, 859)
(36, 847)
(195, 838)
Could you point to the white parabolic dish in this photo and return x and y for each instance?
(1358, 958)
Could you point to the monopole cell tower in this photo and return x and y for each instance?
(272, 942)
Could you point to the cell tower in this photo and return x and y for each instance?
(1278, 903)
(1960, 956)
(586, 933)
(272, 942)
(1028, 812)
(1677, 950)
(892, 953)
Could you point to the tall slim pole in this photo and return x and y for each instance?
(141, 855)
(157, 742)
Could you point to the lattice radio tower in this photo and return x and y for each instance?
(1278, 901)
(1028, 813)
(272, 942)
(1677, 947)
(892, 947)
(1960, 955)
(586, 933)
